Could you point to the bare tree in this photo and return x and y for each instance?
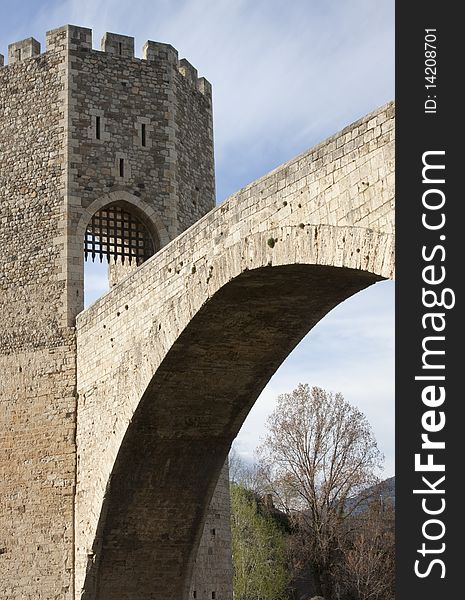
(319, 452)
(246, 474)
(367, 568)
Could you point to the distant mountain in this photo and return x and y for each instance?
(388, 490)
(385, 490)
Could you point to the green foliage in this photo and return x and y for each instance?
(259, 550)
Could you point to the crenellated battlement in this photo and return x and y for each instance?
(22, 50)
(121, 45)
(71, 37)
(74, 38)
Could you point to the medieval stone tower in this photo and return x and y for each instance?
(105, 156)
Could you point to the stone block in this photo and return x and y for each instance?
(19, 51)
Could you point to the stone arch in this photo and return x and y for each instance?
(250, 305)
(132, 204)
(148, 214)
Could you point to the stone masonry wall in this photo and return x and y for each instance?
(154, 142)
(213, 565)
(68, 118)
(332, 205)
(55, 171)
(168, 169)
(194, 146)
(37, 349)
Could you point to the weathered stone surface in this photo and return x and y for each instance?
(54, 174)
(212, 569)
(115, 426)
(172, 359)
(23, 50)
(37, 349)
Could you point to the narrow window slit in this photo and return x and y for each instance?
(97, 128)
(121, 167)
(120, 48)
(144, 134)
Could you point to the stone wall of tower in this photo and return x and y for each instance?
(68, 117)
(213, 574)
(37, 348)
(152, 143)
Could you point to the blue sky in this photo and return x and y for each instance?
(285, 75)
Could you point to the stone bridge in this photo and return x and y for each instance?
(171, 360)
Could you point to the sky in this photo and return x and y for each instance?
(285, 75)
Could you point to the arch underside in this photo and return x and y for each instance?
(191, 411)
